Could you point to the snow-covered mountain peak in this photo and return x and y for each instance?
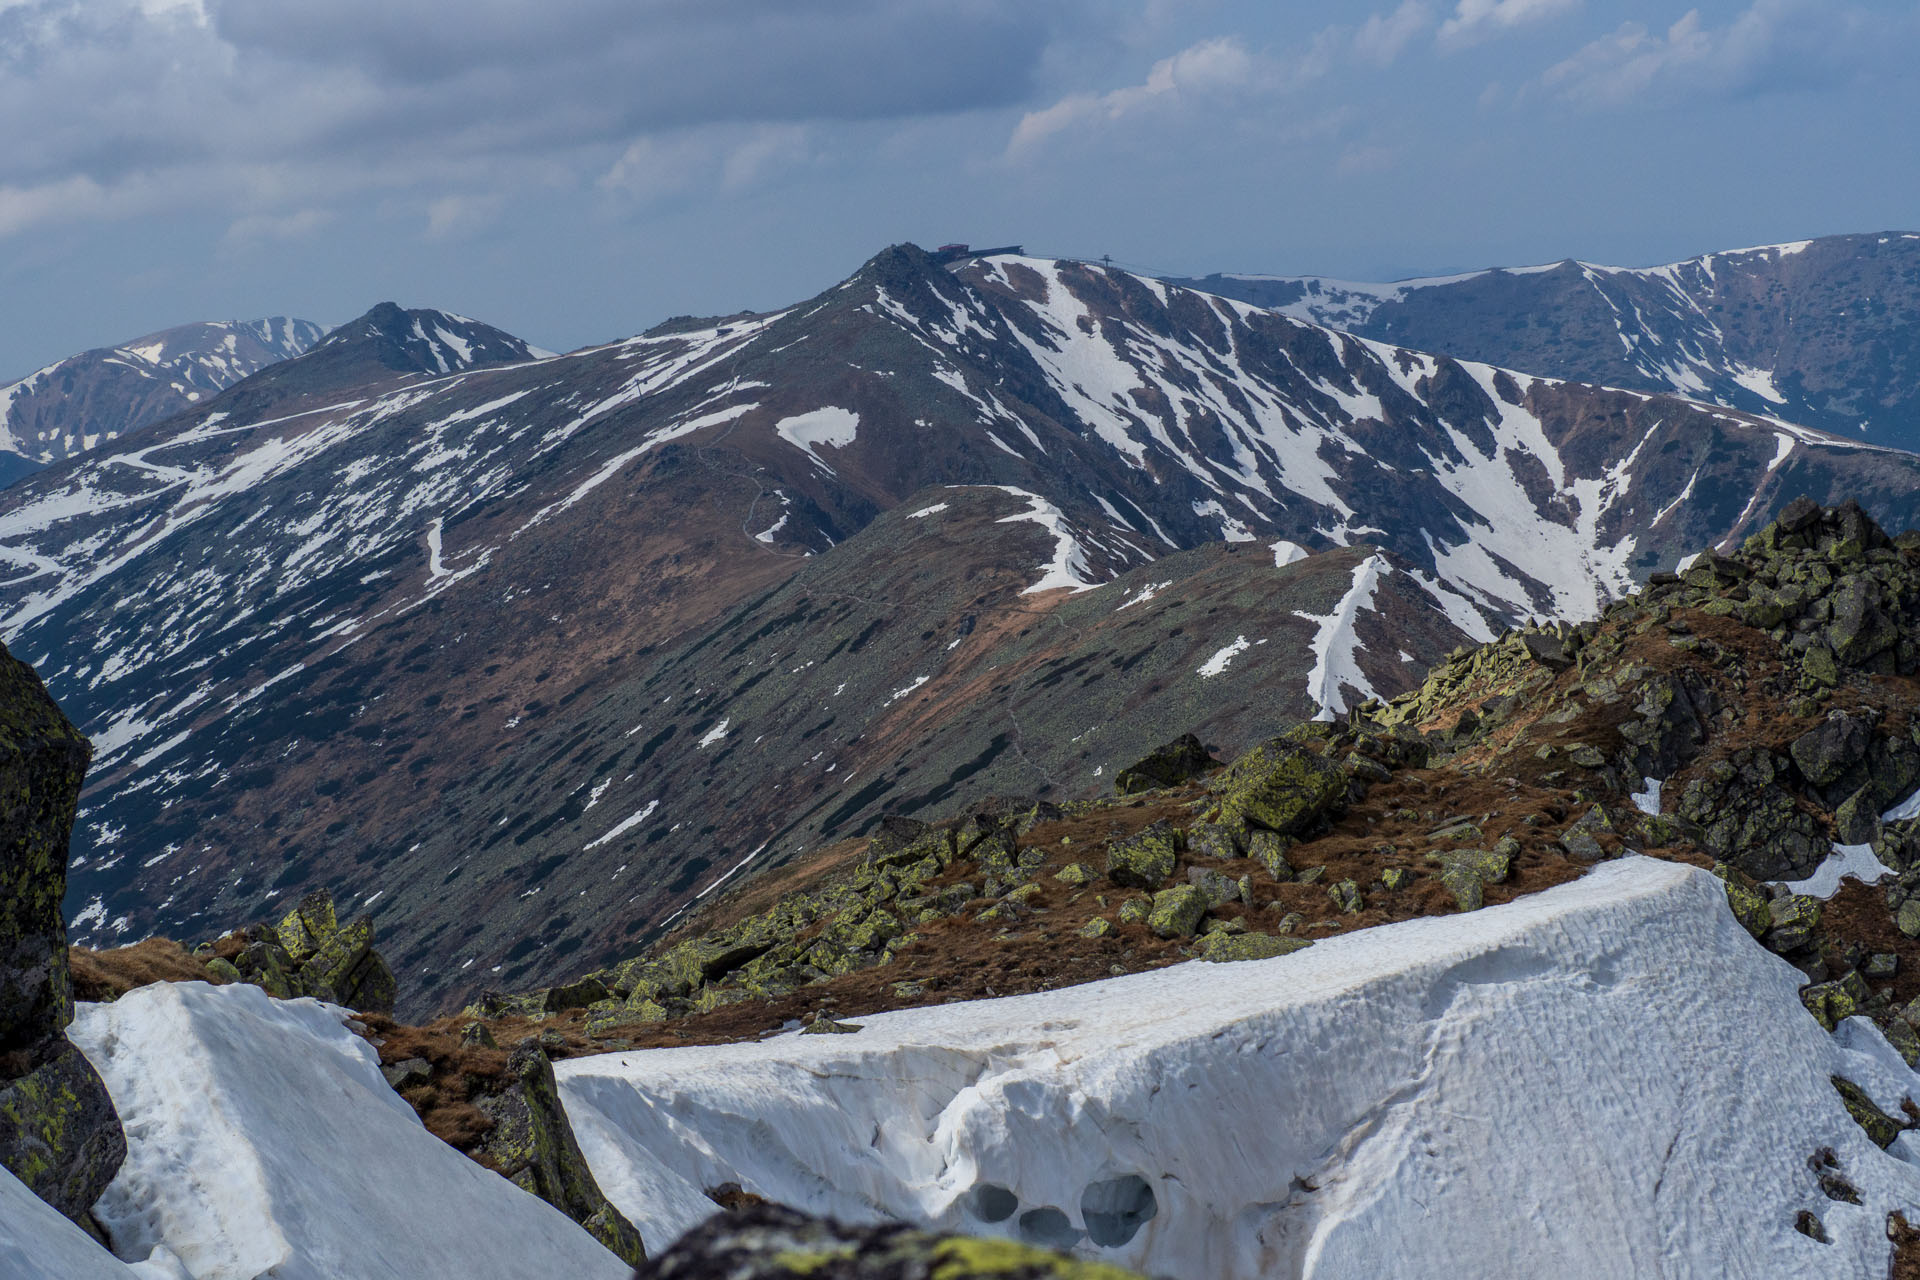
(425, 341)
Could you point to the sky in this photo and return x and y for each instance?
(576, 171)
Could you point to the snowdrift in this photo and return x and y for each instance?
(262, 1140)
(1606, 1079)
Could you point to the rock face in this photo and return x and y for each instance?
(768, 1242)
(58, 1131)
(533, 1146)
(310, 953)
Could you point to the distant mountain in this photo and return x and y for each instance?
(532, 653)
(86, 400)
(1820, 332)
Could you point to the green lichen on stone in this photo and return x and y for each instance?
(1177, 911)
(1749, 905)
(1280, 786)
(532, 1144)
(1098, 927)
(1135, 911)
(1229, 947)
(1879, 1126)
(1346, 897)
(1145, 859)
(1077, 874)
(1396, 878)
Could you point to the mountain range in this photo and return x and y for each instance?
(1825, 333)
(533, 651)
(86, 400)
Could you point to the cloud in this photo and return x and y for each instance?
(1210, 69)
(728, 158)
(258, 228)
(1775, 45)
(1476, 20)
(283, 99)
(1383, 37)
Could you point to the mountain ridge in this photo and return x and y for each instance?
(344, 632)
(1818, 332)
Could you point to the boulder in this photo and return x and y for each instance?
(771, 1242)
(1746, 818)
(1833, 748)
(1143, 860)
(59, 1134)
(532, 1144)
(1280, 786)
(1168, 765)
(1177, 911)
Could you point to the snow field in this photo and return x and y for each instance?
(263, 1141)
(1606, 1079)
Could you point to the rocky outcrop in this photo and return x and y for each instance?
(1181, 760)
(310, 953)
(532, 1144)
(58, 1131)
(768, 1242)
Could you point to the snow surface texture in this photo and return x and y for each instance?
(1605, 1079)
(262, 1141)
(36, 1243)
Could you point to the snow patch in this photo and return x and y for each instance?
(1336, 645)
(831, 427)
(1286, 553)
(262, 1139)
(1426, 1077)
(1222, 658)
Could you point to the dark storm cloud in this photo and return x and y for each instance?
(658, 63)
(119, 86)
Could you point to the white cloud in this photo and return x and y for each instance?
(258, 228)
(729, 158)
(1773, 45)
(1383, 37)
(1476, 20)
(1205, 69)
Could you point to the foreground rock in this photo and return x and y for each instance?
(1112, 1118)
(767, 1242)
(58, 1132)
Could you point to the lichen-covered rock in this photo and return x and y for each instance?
(58, 1132)
(1750, 906)
(1346, 897)
(1879, 1126)
(1746, 818)
(1223, 948)
(1077, 874)
(1270, 851)
(532, 1144)
(1792, 920)
(1833, 748)
(1145, 859)
(1219, 889)
(1168, 765)
(770, 1242)
(1282, 787)
(1177, 911)
(42, 761)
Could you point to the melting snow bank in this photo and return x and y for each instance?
(1069, 565)
(1606, 1079)
(1856, 861)
(262, 1140)
(1337, 647)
